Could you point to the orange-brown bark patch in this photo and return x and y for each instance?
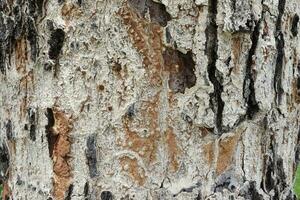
(236, 51)
(133, 169)
(6, 192)
(145, 146)
(173, 149)
(295, 91)
(70, 10)
(61, 154)
(146, 37)
(209, 152)
(21, 55)
(227, 147)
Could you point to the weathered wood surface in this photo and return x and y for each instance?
(144, 99)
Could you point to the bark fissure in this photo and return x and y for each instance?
(279, 39)
(294, 28)
(51, 137)
(56, 42)
(211, 33)
(4, 162)
(249, 90)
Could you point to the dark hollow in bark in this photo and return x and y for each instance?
(56, 42)
(51, 136)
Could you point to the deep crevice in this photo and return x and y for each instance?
(294, 28)
(4, 162)
(51, 136)
(56, 42)
(211, 33)
(86, 190)
(279, 39)
(248, 86)
(69, 192)
(106, 195)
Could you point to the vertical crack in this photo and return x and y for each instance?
(211, 33)
(249, 90)
(279, 39)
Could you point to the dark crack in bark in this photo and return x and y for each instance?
(249, 90)
(211, 33)
(51, 136)
(279, 39)
(4, 162)
(294, 28)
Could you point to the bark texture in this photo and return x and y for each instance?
(149, 99)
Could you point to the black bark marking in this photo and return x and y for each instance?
(4, 162)
(32, 121)
(269, 175)
(294, 28)
(106, 195)
(51, 136)
(211, 33)
(248, 86)
(181, 68)
(79, 2)
(251, 192)
(32, 37)
(8, 128)
(86, 190)
(91, 155)
(279, 39)
(16, 21)
(157, 11)
(2, 59)
(56, 42)
(131, 111)
(69, 192)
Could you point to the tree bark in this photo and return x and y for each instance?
(149, 99)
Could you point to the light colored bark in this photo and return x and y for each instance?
(170, 99)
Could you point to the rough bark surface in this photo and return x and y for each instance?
(149, 99)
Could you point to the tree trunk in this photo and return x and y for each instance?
(149, 99)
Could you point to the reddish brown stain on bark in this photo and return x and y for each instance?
(173, 149)
(146, 146)
(295, 91)
(227, 147)
(6, 191)
(209, 152)
(70, 10)
(21, 55)
(236, 51)
(61, 154)
(131, 166)
(146, 38)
